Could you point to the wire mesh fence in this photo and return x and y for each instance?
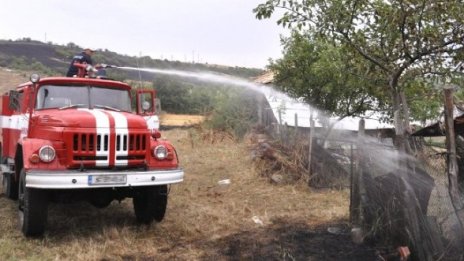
(397, 199)
(441, 213)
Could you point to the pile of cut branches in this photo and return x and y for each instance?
(288, 164)
(281, 164)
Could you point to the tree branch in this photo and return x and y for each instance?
(363, 53)
(419, 22)
(300, 15)
(403, 33)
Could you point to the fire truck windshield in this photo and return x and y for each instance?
(64, 97)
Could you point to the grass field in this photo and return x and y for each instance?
(180, 120)
(9, 79)
(250, 219)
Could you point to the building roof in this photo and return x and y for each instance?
(438, 128)
(266, 78)
(293, 112)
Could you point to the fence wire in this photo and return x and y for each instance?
(440, 208)
(397, 199)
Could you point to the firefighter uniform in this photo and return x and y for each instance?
(83, 57)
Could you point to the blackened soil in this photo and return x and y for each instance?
(285, 240)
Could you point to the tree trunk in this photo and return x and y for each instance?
(400, 110)
(406, 125)
(397, 116)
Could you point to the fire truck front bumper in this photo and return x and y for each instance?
(75, 179)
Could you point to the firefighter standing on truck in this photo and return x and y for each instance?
(83, 57)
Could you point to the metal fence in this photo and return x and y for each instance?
(397, 199)
(441, 214)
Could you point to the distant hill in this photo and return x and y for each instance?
(51, 59)
(178, 95)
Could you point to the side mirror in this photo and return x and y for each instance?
(145, 102)
(146, 106)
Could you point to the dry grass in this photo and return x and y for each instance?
(180, 120)
(204, 221)
(9, 79)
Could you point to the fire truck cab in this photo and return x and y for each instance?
(66, 139)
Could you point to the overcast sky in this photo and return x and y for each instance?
(213, 31)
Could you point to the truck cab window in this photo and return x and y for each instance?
(120, 99)
(60, 97)
(53, 96)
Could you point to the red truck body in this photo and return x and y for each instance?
(79, 136)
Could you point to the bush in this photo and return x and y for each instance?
(229, 108)
(234, 112)
(185, 97)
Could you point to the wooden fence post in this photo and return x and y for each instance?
(312, 129)
(260, 108)
(452, 165)
(356, 180)
(352, 168)
(285, 138)
(296, 131)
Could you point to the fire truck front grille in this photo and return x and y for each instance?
(88, 142)
(96, 147)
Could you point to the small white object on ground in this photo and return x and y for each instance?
(224, 182)
(257, 220)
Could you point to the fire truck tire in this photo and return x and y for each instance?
(33, 208)
(10, 187)
(150, 204)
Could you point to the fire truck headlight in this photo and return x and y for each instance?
(160, 152)
(47, 153)
(35, 78)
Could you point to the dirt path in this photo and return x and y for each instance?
(250, 220)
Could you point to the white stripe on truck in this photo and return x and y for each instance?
(120, 124)
(102, 124)
(15, 122)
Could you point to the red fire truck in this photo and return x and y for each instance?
(68, 139)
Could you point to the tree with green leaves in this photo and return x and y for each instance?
(327, 77)
(186, 97)
(403, 39)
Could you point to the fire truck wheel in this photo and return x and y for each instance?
(150, 203)
(33, 208)
(10, 187)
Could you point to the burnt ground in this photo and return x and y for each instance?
(289, 240)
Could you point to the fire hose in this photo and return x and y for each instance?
(86, 69)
